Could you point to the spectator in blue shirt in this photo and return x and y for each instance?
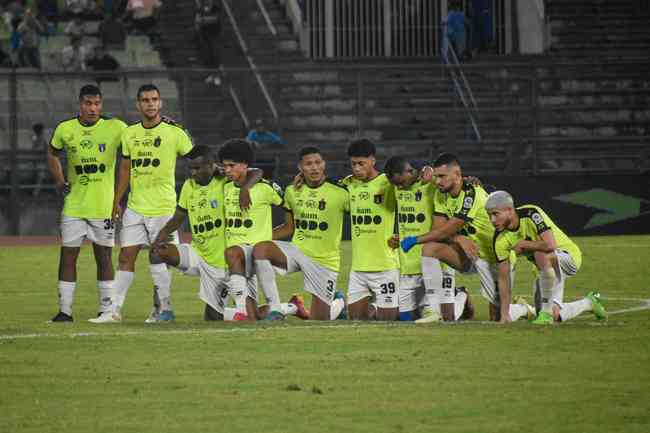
(264, 138)
(456, 31)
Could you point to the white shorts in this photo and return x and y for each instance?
(75, 230)
(213, 289)
(567, 268)
(411, 292)
(384, 286)
(138, 229)
(489, 274)
(318, 280)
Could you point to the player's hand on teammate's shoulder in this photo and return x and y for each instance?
(426, 174)
(473, 180)
(63, 188)
(520, 247)
(298, 181)
(393, 241)
(244, 199)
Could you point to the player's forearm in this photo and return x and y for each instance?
(505, 291)
(253, 175)
(537, 246)
(123, 179)
(436, 235)
(173, 224)
(56, 169)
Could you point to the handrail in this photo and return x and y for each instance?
(251, 63)
(265, 14)
(469, 108)
(240, 109)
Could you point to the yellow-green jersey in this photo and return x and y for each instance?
(469, 206)
(255, 224)
(533, 221)
(372, 215)
(205, 210)
(318, 221)
(414, 217)
(153, 152)
(91, 153)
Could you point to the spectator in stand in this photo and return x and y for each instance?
(482, 34)
(112, 33)
(87, 9)
(30, 30)
(142, 14)
(263, 137)
(48, 9)
(73, 56)
(75, 28)
(100, 60)
(455, 31)
(207, 24)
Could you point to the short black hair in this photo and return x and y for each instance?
(446, 159)
(89, 90)
(395, 165)
(147, 88)
(238, 150)
(308, 150)
(201, 150)
(361, 147)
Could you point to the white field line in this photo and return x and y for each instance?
(338, 325)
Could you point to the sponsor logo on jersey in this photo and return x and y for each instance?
(86, 144)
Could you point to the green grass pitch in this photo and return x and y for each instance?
(190, 376)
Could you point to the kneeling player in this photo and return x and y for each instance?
(528, 231)
(314, 221)
(202, 202)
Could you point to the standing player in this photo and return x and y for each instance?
(149, 151)
(375, 265)
(415, 215)
(202, 203)
(528, 231)
(314, 222)
(462, 240)
(245, 228)
(90, 142)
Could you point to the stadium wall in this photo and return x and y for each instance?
(580, 205)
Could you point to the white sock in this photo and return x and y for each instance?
(432, 277)
(66, 296)
(122, 282)
(572, 309)
(459, 304)
(162, 279)
(229, 314)
(266, 276)
(238, 291)
(288, 309)
(335, 309)
(105, 294)
(546, 282)
(517, 311)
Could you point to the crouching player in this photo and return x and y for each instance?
(528, 231)
(202, 203)
(415, 216)
(314, 222)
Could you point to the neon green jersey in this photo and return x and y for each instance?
(318, 221)
(153, 152)
(470, 207)
(205, 210)
(372, 214)
(90, 153)
(533, 221)
(254, 225)
(414, 217)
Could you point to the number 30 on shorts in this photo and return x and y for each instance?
(387, 288)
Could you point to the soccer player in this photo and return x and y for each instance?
(461, 237)
(90, 142)
(314, 222)
(202, 203)
(245, 228)
(149, 151)
(414, 216)
(528, 231)
(375, 265)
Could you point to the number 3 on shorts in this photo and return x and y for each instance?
(108, 224)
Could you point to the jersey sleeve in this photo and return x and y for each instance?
(184, 143)
(57, 139)
(540, 221)
(501, 247)
(470, 206)
(276, 196)
(289, 201)
(183, 199)
(439, 206)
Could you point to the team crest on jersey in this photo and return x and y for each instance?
(102, 147)
(214, 204)
(418, 195)
(322, 204)
(157, 141)
(379, 198)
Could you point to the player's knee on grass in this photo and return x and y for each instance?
(359, 310)
(319, 310)
(387, 314)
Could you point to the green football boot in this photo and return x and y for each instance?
(597, 306)
(543, 318)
